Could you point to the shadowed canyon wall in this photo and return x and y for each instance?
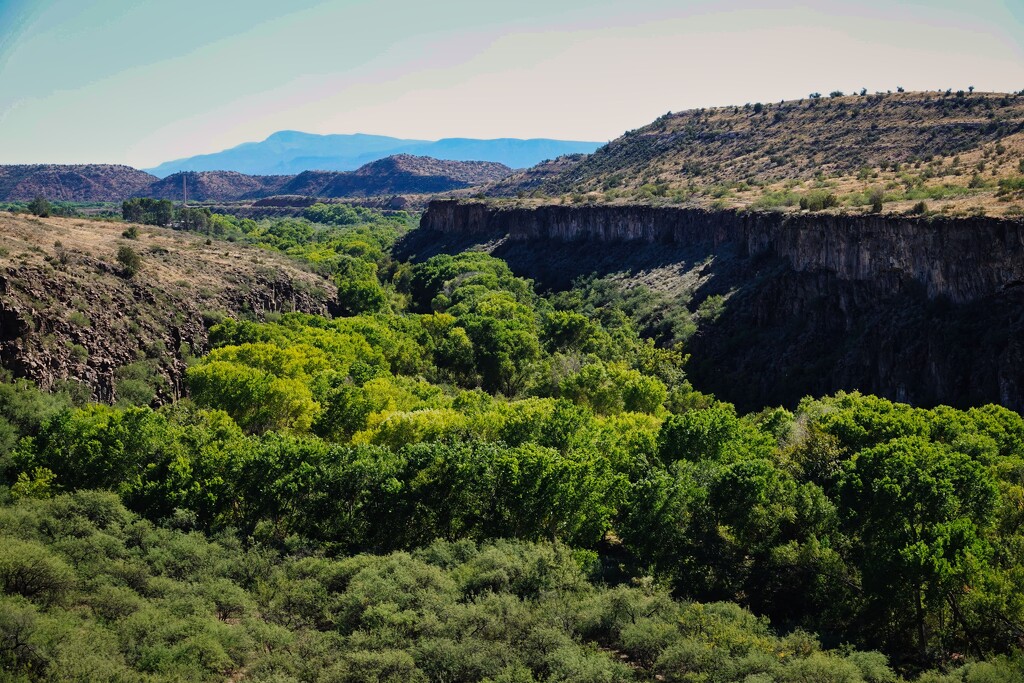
(921, 310)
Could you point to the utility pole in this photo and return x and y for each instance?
(184, 197)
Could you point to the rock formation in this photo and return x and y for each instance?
(926, 310)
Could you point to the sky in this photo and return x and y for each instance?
(145, 81)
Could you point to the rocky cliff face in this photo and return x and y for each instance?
(922, 310)
(67, 312)
(962, 259)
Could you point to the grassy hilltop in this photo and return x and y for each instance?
(960, 153)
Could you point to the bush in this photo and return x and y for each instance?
(129, 259)
(875, 197)
(29, 569)
(818, 200)
(1011, 185)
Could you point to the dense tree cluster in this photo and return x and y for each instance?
(460, 479)
(149, 211)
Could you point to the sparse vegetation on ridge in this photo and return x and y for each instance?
(953, 149)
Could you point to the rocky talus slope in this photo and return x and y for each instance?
(961, 153)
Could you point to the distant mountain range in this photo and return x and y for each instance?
(396, 174)
(292, 152)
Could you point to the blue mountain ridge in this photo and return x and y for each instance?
(290, 152)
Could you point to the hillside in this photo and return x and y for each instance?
(68, 312)
(71, 183)
(949, 150)
(292, 152)
(399, 174)
(214, 186)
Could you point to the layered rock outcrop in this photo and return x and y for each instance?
(926, 310)
(961, 258)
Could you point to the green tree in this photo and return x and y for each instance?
(920, 513)
(257, 399)
(359, 291)
(40, 207)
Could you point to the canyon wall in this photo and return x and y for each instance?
(924, 310)
(961, 258)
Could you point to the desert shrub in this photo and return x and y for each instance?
(129, 259)
(875, 197)
(818, 200)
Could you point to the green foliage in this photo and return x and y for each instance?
(504, 448)
(875, 197)
(256, 397)
(1011, 186)
(117, 598)
(359, 291)
(921, 513)
(818, 200)
(29, 569)
(129, 259)
(149, 211)
(193, 218)
(139, 383)
(40, 207)
(338, 214)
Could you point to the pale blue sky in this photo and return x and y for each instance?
(140, 81)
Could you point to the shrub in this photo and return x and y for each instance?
(875, 197)
(919, 209)
(29, 569)
(129, 259)
(818, 200)
(1011, 185)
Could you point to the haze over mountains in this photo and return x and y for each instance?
(292, 152)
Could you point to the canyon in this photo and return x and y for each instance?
(923, 310)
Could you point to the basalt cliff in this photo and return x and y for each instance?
(924, 310)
